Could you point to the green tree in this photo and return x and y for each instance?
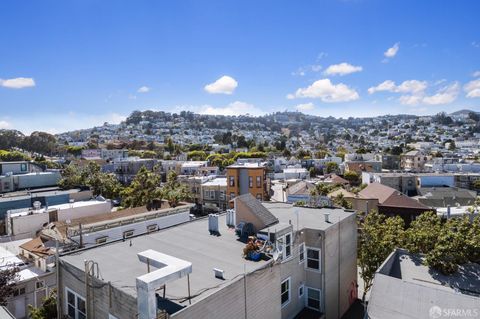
(47, 310)
(71, 177)
(422, 235)
(144, 189)
(197, 155)
(174, 192)
(379, 236)
(7, 283)
(352, 177)
(12, 156)
(331, 167)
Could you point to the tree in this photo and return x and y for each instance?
(352, 177)
(197, 155)
(340, 200)
(47, 310)
(12, 156)
(40, 142)
(144, 189)
(71, 177)
(173, 191)
(331, 167)
(7, 283)
(423, 233)
(379, 236)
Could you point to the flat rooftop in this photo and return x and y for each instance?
(28, 210)
(119, 264)
(404, 288)
(410, 268)
(307, 217)
(40, 192)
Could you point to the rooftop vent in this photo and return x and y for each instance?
(327, 217)
(213, 223)
(219, 273)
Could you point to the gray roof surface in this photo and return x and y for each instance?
(409, 289)
(258, 209)
(118, 262)
(307, 217)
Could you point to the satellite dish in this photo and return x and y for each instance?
(37, 205)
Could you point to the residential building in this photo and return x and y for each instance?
(247, 178)
(46, 196)
(404, 287)
(189, 271)
(32, 283)
(20, 175)
(214, 194)
(390, 202)
(413, 161)
(25, 223)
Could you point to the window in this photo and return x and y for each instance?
(39, 284)
(151, 228)
(232, 195)
(313, 259)
(250, 181)
(128, 233)
(288, 245)
(313, 298)
(300, 291)
(285, 292)
(222, 195)
(75, 305)
(23, 167)
(259, 181)
(101, 240)
(231, 180)
(212, 194)
(301, 252)
(19, 292)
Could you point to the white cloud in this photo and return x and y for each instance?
(414, 92)
(224, 85)
(391, 52)
(305, 107)
(476, 74)
(17, 83)
(5, 125)
(143, 89)
(342, 69)
(445, 95)
(387, 85)
(472, 88)
(234, 108)
(326, 91)
(409, 86)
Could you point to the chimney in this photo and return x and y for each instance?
(327, 217)
(448, 212)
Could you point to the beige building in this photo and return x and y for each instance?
(306, 266)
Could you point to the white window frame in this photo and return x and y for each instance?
(301, 253)
(101, 240)
(319, 259)
(77, 296)
(290, 245)
(152, 228)
(39, 284)
(301, 291)
(289, 291)
(128, 233)
(319, 301)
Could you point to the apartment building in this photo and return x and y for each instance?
(24, 175)
(198, 269)
(413, 161)
(33, 284)
(247, 178)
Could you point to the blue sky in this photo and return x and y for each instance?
(74, 64)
